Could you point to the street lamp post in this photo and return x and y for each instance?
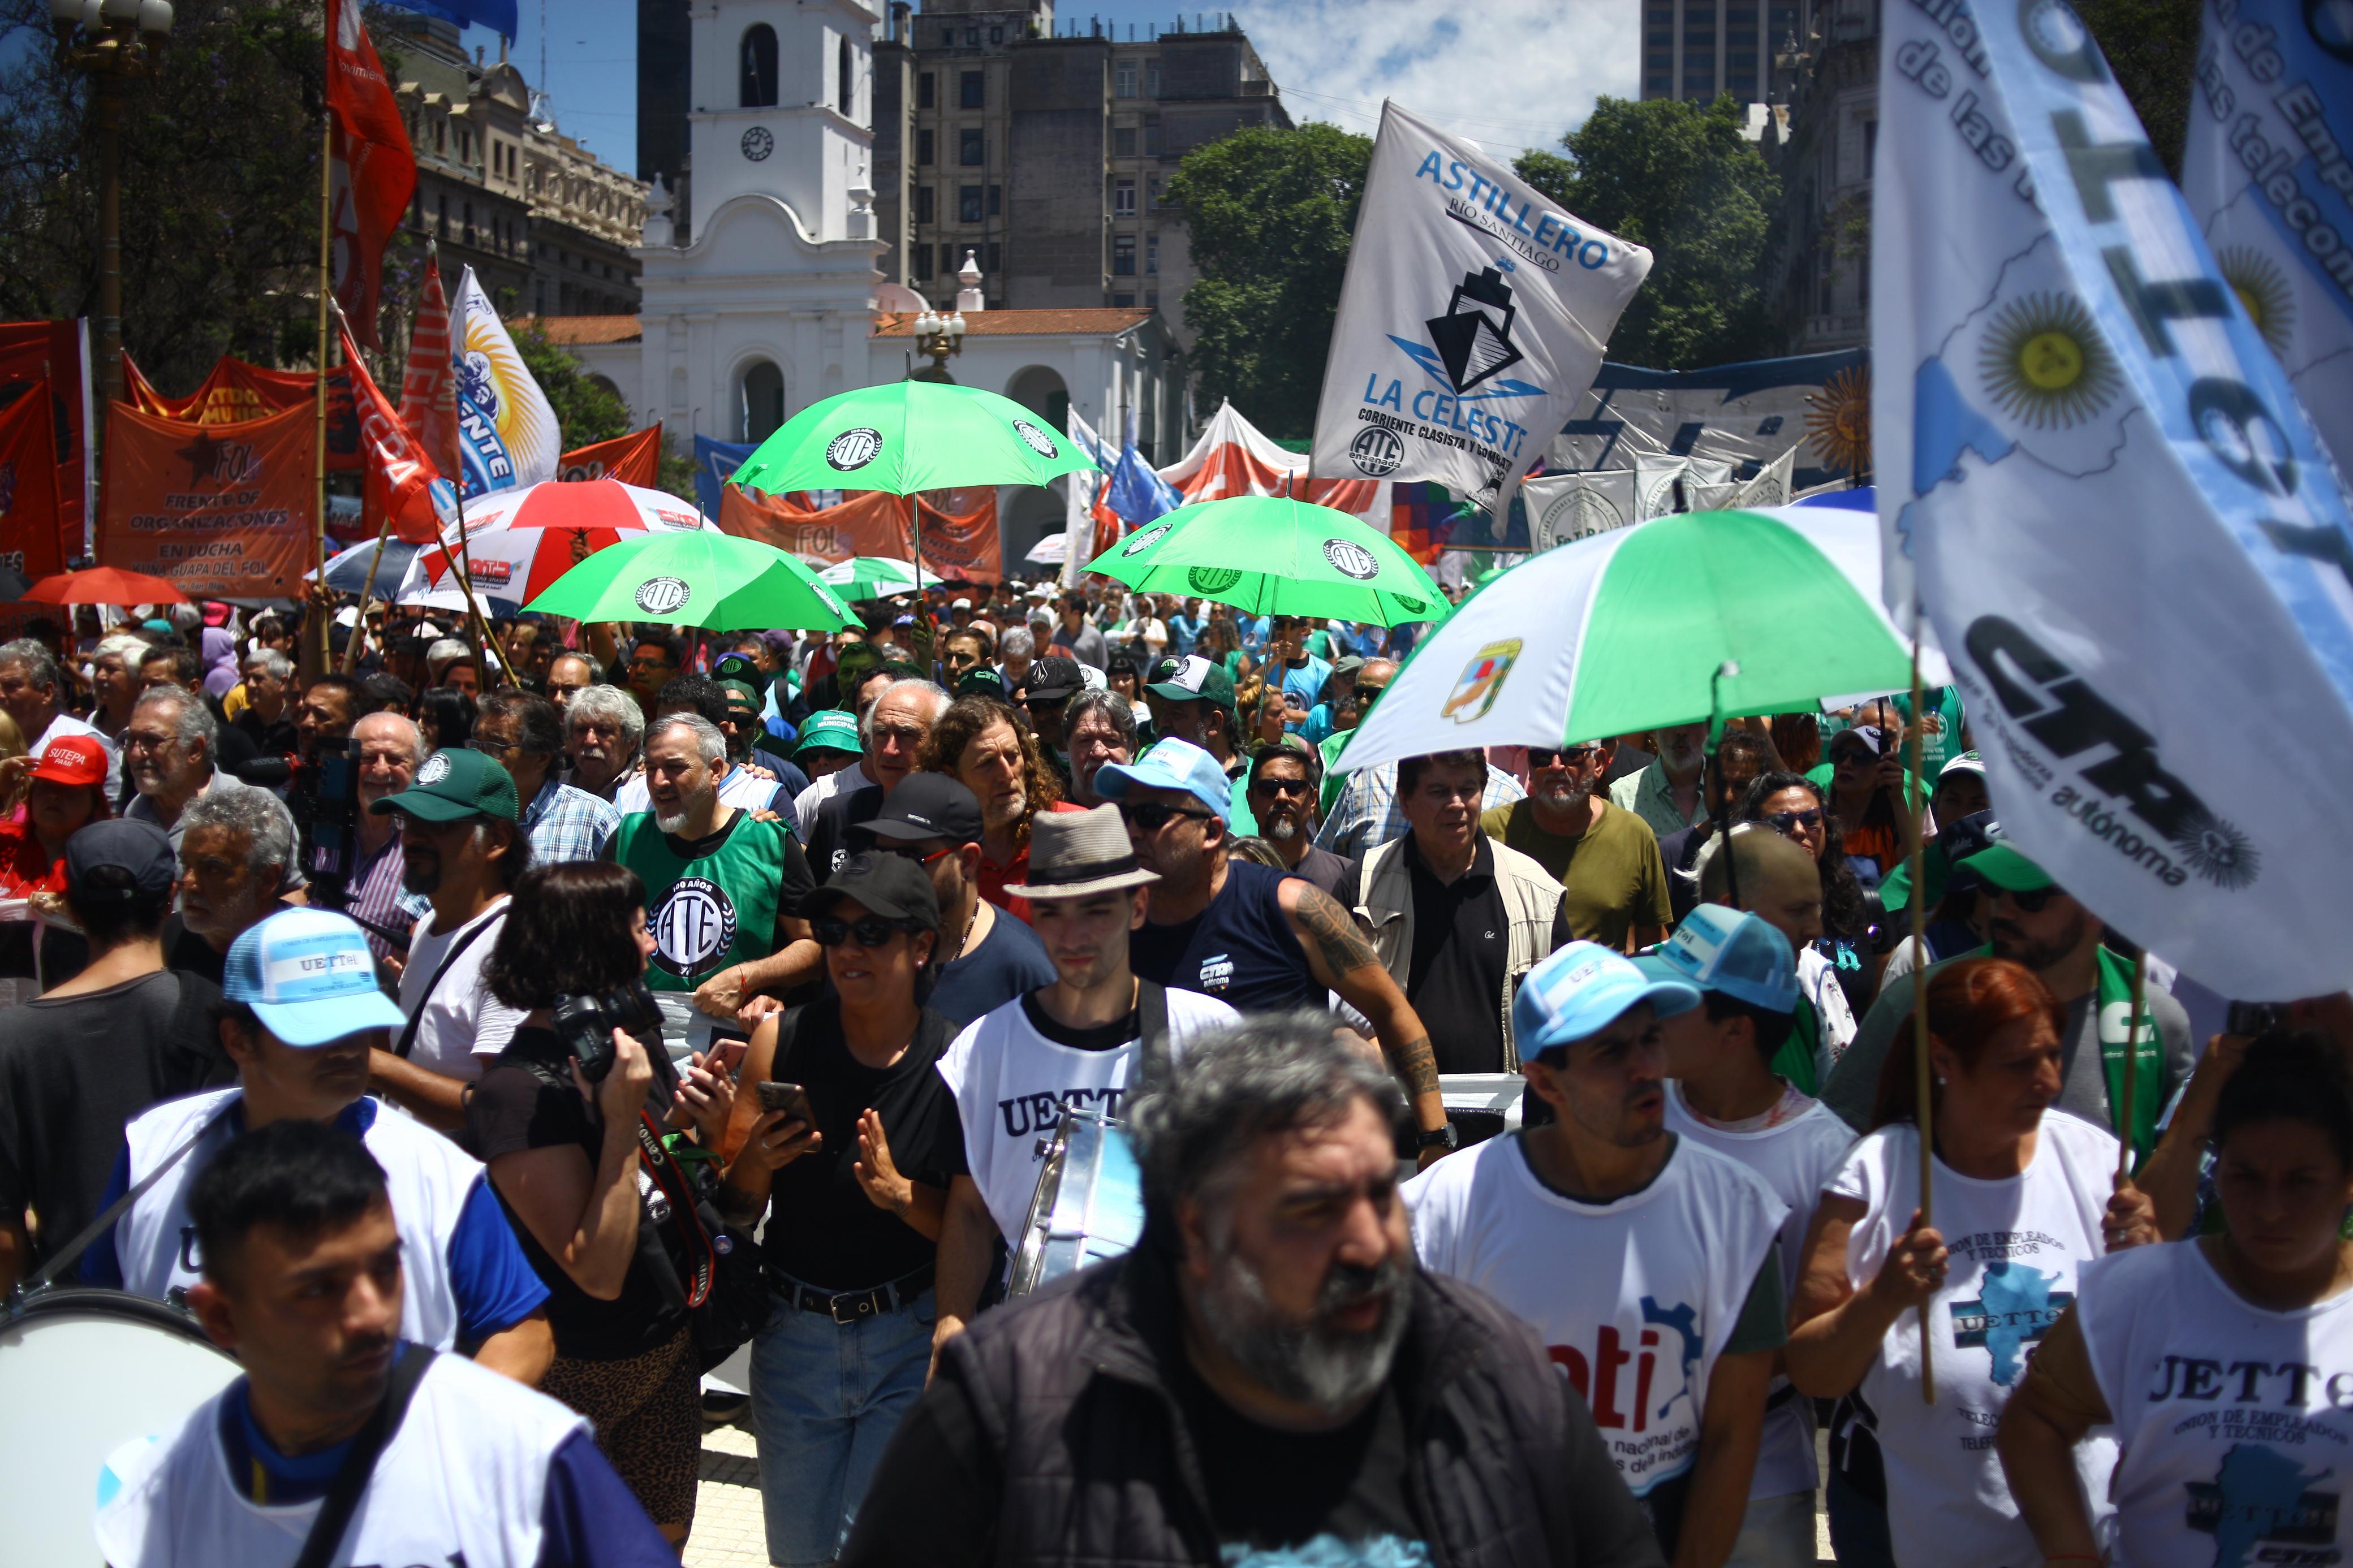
(112, 42)
(941, 338)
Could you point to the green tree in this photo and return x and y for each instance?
(1683, 180)
(1270, 214)
(586, 410)
(2152, 48)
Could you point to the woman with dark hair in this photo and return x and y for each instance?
(1794, 806)
(2251, 1320)
(2027, 1193)
(1866, 788)
(989, 749)
(445, 718)
(562, 1155)
(852, 1167)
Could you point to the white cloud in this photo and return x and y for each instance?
(1509, 74)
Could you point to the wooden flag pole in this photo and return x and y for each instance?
(359, 624)
(317, 634)
(2124, 1117)
(1920, 1010)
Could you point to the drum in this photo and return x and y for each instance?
(1089, 1204)
(82, 1374)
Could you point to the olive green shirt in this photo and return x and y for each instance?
(1612, 873)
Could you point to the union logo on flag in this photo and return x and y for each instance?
(1481, 682)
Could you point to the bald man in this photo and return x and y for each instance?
(1780, 884)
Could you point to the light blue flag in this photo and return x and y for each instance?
(2097, 482)
(2268, 170)
(715, 463)
(1136, 492)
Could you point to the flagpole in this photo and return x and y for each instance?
(359, 626)
(318, 633)
(1920, 1008)
(2125, 1116)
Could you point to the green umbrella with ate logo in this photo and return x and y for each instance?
(711, 579)
(1276, 555)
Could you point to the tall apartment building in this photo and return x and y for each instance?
(1694, 49)
(546, 227)
(1817, 278)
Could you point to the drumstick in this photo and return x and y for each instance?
(2123, 1113)
(1920, 1011)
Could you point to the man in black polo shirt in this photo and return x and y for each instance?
(1456, 917)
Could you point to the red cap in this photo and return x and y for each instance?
(217, 615)
(73, 760)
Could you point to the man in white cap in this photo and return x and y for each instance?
(1072, 1044)
(1644, 1260)
(303, 1011)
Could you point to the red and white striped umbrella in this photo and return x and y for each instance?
(520, 541)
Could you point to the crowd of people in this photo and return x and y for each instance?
(594, 1009)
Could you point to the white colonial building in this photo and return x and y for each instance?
(774, 302)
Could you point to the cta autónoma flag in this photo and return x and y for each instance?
(2099, 485)
(1471, 320)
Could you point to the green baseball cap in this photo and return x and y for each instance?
(2005, 867)
(1190, 679)
(744, 689)
(454, 783)
(830, 729)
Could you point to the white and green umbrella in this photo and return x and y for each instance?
(1275, 555)
(1628, 630)
(875, 577)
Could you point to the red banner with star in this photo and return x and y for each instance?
(222, 511)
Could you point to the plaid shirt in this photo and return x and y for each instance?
(564, 823)
(1367, 816)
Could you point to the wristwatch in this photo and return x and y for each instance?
(1447, 1134)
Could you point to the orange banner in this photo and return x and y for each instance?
(634, 459)
(28, 485)
(236, 391)
(960, 538)
(225, 514)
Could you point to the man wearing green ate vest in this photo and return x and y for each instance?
(2038, 924)
(718, 882)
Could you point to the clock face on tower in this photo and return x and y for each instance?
(758, 143)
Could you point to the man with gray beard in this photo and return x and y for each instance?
(1282, 791)
(1267, 1378)
(1604, 857)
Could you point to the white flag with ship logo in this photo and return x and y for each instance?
(1471, 320)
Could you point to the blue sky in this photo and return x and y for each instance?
(1507, 75)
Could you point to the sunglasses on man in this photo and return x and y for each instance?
(1152, 816)
(1575, 756)
(2032, 902)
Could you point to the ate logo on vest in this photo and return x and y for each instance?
(694, 923)
(2014, 1308)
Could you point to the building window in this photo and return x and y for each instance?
(996, 201)
(997, 35)
(757, 87)
(1123, 198)
(539, 291)
(443, 219)
(440, 136)
(948, 262)
(763, 400)
(1125, 302)
(995, 259)
(922, 204)
(972, 37)
(970, 149)
(947, 37)
(972, 89)
(1151, 79)
(845, 74)
(1124, 76)
(1123, 141)
(1123, 256)
(1152, 255)
(923, 258)
(1152, 192)
(968, 204)
(927, 146)
(1152, 136)
(926, 90)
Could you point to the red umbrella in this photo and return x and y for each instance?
(103, 585)
(521, 541)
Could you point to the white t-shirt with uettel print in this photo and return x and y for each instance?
(2015, 1246)
(1796, 1157)
(1011, 1083)
(2236, 1421)
(1635, 1298)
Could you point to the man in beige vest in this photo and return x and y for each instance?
(1455, 916)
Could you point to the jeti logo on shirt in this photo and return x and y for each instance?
(1217, 973)
(2014, 1308)
(2260, 1497)
(694, 923)
(1596, 1378)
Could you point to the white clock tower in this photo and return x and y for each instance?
(768, 307)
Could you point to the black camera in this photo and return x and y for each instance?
(585, 1022)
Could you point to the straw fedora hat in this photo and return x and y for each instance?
(1077, 854)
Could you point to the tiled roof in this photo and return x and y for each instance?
(1023, 323)
(586, 329)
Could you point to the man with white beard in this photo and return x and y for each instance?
(1267, 1378)
(1604, 857)
(718, 882)
(1281, 792)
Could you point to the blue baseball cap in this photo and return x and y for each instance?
(1581, 990)
(1720, 949)
(1170, 764)
(308, 977)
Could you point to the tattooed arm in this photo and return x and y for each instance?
(1343, 961)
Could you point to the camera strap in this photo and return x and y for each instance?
(407, 1041)
(677, 1187)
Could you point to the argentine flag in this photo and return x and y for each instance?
(2098, 484)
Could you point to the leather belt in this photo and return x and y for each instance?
(856, 1306)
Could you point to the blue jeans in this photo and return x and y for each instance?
(826, 1397)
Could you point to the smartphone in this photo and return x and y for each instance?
(789, 1098)
(2249, 1019)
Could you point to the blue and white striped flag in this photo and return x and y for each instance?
(2098, 483)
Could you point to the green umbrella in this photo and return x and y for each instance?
(910, 435)
(1276, 555)
(711, 579)
(874, 577)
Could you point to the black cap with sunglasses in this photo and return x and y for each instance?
(927, 806)
(895, 892)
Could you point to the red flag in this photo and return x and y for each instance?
(428, 386)
(374, 173)
(634, 459)
(29, 491)
(399, 474)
